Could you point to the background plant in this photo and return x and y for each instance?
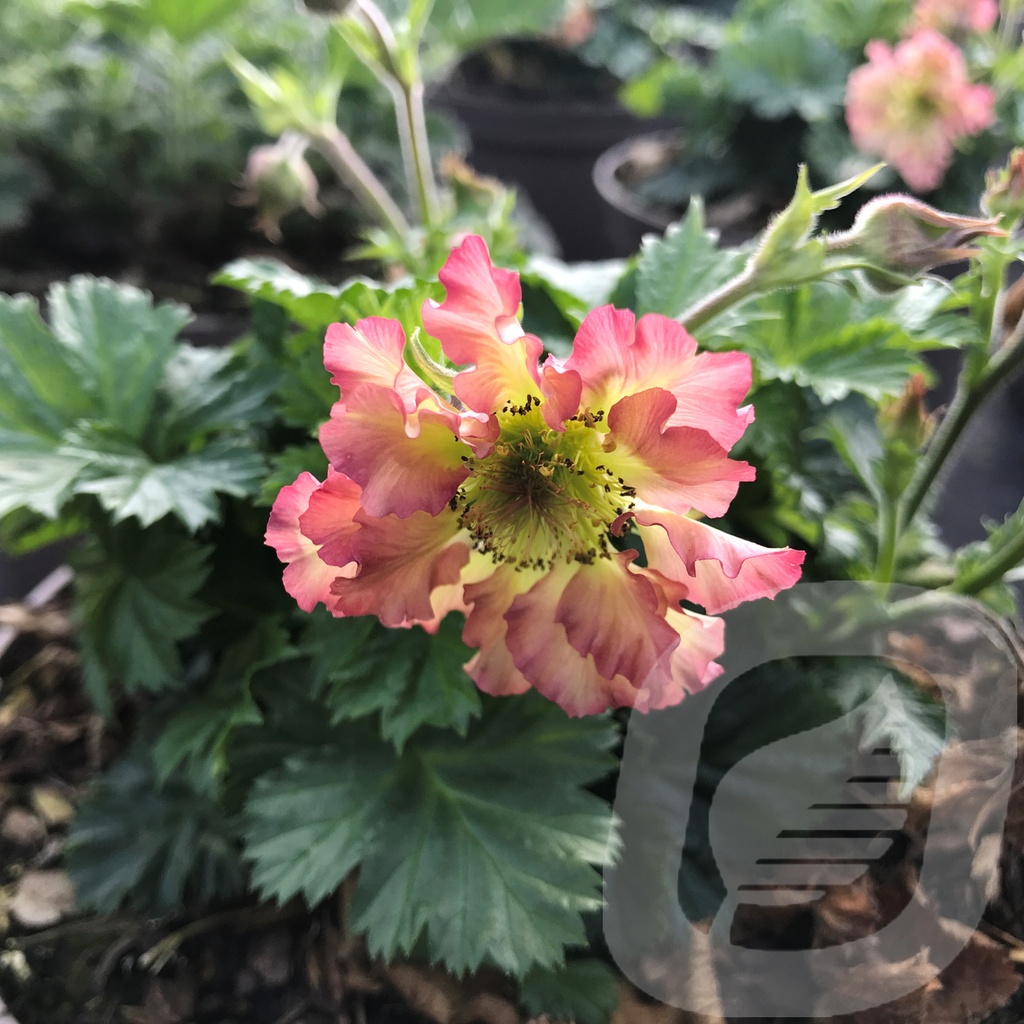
(763, 90)
(125, 135)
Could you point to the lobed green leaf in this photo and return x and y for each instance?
(685, 265)
(132, 842)
(483, 845)
(136, 598)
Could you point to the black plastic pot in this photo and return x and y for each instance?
(627, 217)
(548, 148)
(620, 172)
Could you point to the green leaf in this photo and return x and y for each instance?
(818, 337)
(152, 848)
(1002, 548)
(116, 343)
(583, 991)
(309, 302)
(197, 731)
(35, 476)
(136, 598)
(897, 714)
(186, 21)
(861, 700)
(129, 483)
(286, 467)
(41, 393)
(776, 65)
(313, 304)
(209, 389)
(305, 392)
(856, 438)
(576, 288)
(484, 844)
(686, 265)
(410, 677)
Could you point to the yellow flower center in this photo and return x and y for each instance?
(542, 496)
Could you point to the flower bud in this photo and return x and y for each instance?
(278, 180)
(899, 238)
(1004, 189)
(906, 418)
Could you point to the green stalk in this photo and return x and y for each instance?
(334, 146)
(968, 397)
(406, 91)
(741, 287)
(888, 534)
(419, 145)
(751, 282)
(994, 568)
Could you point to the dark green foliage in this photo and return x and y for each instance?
(773, 61)
(196, 735)
(674, 271)
(410, 677)
(148, 846)
(137, 596)
(502, 811)
(584, 991)
(864, 701)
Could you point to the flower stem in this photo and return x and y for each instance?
(334, 146)
(412, 132)
(969, 395)
(398, 70)
(888, 533)
(752, 281)
(741, 287)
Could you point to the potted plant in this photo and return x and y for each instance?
(540, 109)
(782, 85)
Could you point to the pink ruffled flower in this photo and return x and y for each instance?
(955, 16)
(506, 501)
(911, 104)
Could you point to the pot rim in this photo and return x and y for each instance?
(610, 187)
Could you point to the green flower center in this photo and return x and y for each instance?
(543, 496)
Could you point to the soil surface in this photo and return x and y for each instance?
(260, 964)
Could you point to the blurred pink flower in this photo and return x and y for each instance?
(507, 496)
(912, 103)
(953, 16)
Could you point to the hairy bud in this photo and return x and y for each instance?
(900, 238)
(278, 180)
